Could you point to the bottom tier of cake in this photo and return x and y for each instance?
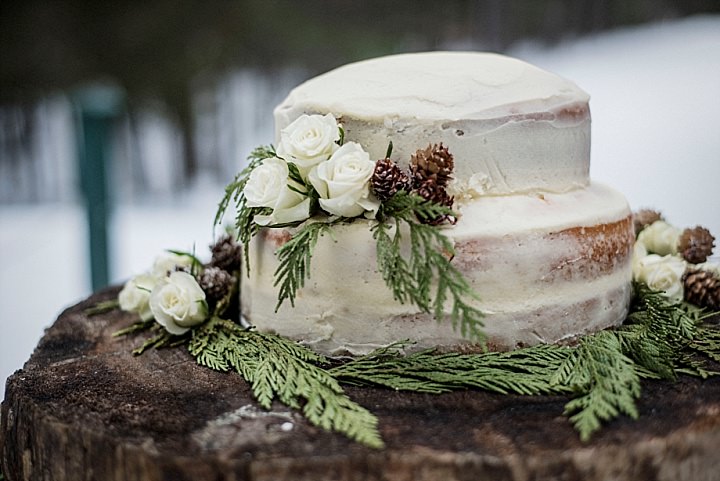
(546, 267)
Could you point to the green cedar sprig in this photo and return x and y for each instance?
(605, 380)
(526, 371)
(294, 260)
(102, 307)
(277, 368)
(706, 342)
(657, 331)
(426, 277)
(162, 338)
(659, 340)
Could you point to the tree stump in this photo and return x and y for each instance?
(84, 408)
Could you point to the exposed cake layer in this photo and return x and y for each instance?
(512, 127)
(546, 267)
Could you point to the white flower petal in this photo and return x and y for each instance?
(294, 213)
(309, 140)
(168, 262)
(342, 181)
(266, 182)
(662, 273)
(135, 295)
(660, 238)
(178, 303)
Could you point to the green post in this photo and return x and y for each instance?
(97, 108)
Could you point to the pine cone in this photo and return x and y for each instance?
(432, 163)
(216, 283)
(226, 254)
(702, 288)
(645, 217)
(696, 245)
(431, 191)
(388, 179)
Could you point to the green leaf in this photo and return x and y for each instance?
(294, 175)
(605, 377)
(195, 264)
(160, 340)
(294, 260)
(426, 276)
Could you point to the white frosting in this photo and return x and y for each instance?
(503, 248)
(519, 127)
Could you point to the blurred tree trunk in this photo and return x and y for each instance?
(183, 108)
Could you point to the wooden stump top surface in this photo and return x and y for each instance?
(84, 408)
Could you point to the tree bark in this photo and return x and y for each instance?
(84, 408)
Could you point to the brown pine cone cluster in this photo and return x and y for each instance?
(431, 171)
(645, 217)
(431, 191)
(219, 276)
(702, 288)
(216, 283)
(696, 244)
(432, 164)
(226, 254)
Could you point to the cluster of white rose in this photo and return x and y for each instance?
(656, 261)
(340, 174)
(167, 293)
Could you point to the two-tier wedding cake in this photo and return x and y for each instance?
(546, 250)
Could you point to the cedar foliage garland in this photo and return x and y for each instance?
(602, 373)
(278, 368)
(526, 371)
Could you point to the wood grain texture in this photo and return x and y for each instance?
(84, 408)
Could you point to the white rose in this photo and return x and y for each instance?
(135, 295)
(342, 182)
(267, 186)
(663, 273)
(169, 262)
(178, 303)
(309, 140)
(660, 238)
(266, 182)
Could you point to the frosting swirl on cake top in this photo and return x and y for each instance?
(435, 86)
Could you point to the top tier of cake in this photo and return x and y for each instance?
(512, 127)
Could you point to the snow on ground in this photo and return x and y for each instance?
(655, 95)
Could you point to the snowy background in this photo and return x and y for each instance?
(655, 100)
